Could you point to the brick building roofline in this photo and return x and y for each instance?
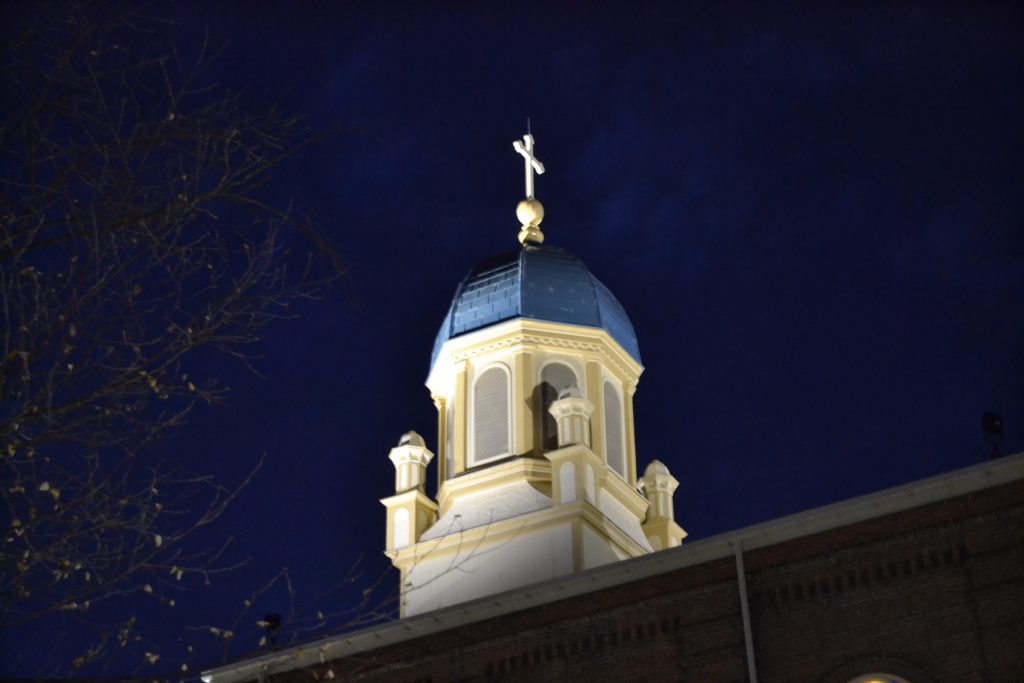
(873, 505)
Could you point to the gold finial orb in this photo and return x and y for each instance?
(530, 212)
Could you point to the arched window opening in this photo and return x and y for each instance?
(614, 442)
(490, 415)
(553, 379)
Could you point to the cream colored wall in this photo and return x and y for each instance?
(592, 354)
(523, 348)
(602, 521)
(596, 549)
(487, 568)
(524, 362)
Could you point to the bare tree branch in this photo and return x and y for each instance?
(136, 238)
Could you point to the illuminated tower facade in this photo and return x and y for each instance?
(533, 374)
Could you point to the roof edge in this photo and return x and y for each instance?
(917, 493)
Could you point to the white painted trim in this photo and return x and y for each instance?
(547, 336)
(915, 494)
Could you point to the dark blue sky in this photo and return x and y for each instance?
(813, 214)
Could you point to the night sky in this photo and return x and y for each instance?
(812, 213)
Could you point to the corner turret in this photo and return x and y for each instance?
(410, 510)
(658, 485)
(533, 374)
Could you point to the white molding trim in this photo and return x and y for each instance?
(530, 332)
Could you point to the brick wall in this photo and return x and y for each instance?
(933, 594)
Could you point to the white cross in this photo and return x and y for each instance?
(531, 162)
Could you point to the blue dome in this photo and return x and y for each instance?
(540, 283)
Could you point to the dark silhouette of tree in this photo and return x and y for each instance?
(136, 239)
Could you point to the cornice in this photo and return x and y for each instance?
(525, 333)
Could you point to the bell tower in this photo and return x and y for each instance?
(533, 374)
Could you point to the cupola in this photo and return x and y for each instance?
(532, 373)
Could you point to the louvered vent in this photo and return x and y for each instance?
(553, 379)
(490, 418)
(614, 443)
